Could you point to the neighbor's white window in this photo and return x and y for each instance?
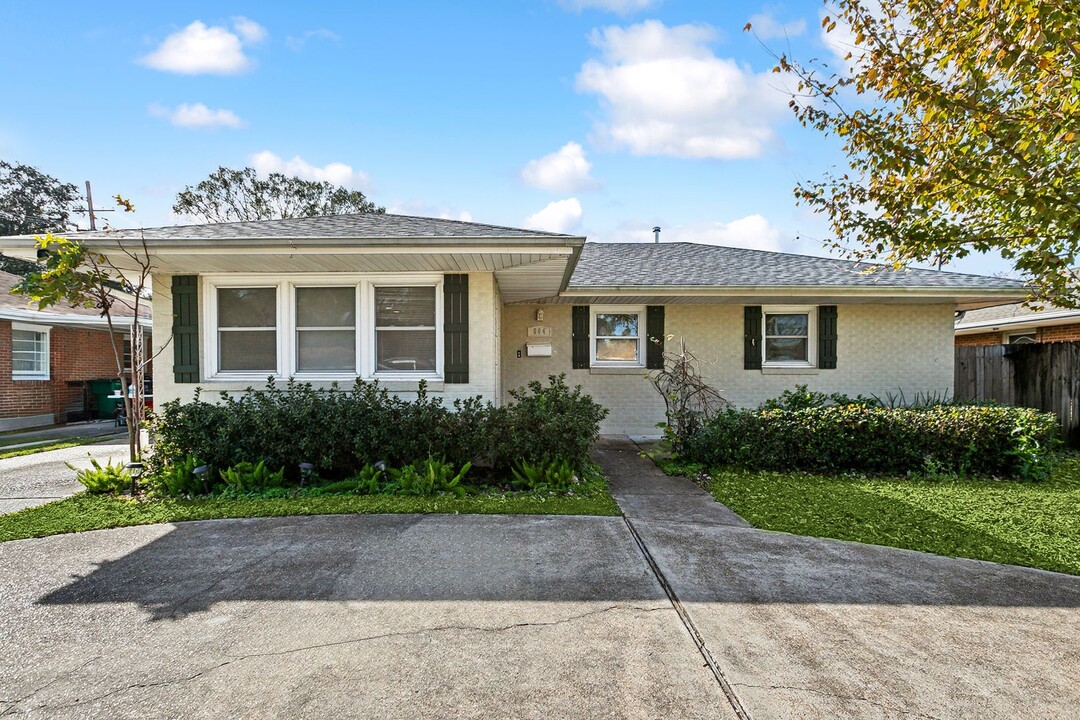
(405, 321)
(788, 332)
(326, 329)
(617, 333)
(247, 337)
(29, 352)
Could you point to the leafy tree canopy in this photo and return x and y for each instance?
(230, 195)
(32, 202)
(960, 120)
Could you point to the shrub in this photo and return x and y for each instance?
(426, 478)
(943, 439)
(803, 398)
(547, 476)
(179, 479)
(342, 431)
(248, 477)
(107, 478)
(546, 421)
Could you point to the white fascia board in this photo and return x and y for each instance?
(47, 318)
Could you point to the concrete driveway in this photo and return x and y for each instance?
(43, 477)
(677, 611)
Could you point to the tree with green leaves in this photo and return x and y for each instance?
(960, 120)
(229, 195)
(33, 202)
(74, 275)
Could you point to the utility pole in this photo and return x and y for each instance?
(90, 207)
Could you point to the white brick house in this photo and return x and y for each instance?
(479, 309)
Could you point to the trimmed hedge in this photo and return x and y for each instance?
(943, 439)
(341, 431)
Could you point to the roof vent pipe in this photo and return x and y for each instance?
(656, 234)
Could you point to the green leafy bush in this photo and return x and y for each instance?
(803, 398)
(179, 479)
(247, 477)
(343, 431)
(545, 476)
(107, 478)
(425, 478)
(942, 439)
(545, 421)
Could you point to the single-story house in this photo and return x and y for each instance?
(1017, 324)
(50, 357)
(479, 309)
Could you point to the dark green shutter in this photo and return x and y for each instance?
(185, 331)
(580, 337)
(456, 328)
(752, 337)
(827, 337)
(654, 337)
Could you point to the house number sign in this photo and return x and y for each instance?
(540, 331)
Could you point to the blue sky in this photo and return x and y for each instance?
(599, 117)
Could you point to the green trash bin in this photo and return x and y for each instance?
(104, 406)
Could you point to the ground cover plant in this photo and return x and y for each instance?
(1035, 524)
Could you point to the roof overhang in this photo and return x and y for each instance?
(42, 317)
(961, 298)
(1040, 320)
(526, 268)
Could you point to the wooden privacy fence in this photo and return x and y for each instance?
(1044, 376)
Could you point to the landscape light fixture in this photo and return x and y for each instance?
(306, 471)
(381, 467)
(201, 472)
(135, 470)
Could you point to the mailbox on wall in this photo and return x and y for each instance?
(538, 349)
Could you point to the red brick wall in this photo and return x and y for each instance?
(75, 354)
(1049, 334)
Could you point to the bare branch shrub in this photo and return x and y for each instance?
(689, 400)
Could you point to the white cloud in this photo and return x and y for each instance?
(198, 116)
(563, 171)
(249, 30)
(841, 40)
(338, 173)
(753, 231)
(296, 43)
(621, 7)
(421, 208)
(767, 27)
(666, 93)
(199, 49)
(560, 216)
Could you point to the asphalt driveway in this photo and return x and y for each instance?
(679, 610)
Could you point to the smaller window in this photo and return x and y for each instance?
(617, 336)
(1025, 338)
(29, 352)
(787, 337)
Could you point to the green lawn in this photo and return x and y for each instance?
(60, 445)
(96, 512)
(1036, 524)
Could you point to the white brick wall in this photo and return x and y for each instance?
(880, 349)
(483, 348)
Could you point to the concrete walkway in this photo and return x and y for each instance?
(36, 479)
(798, 627)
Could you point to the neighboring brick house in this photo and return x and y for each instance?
(1017, 324)
(478, 310)
(47, 358)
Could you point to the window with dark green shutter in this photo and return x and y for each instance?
(752, 337)
(580, 337)
(827, 337)
(654, 337)
(456, 328)
(185, 330)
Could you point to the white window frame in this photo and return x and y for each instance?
(595, 310)
(372, 350)
(295, 329)
(1007, 338)
(811, 313)
(286, 323)
(35, 374)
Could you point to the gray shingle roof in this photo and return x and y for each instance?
(1016, 313)
(683, 264)
(354, 226)
(11, 301)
